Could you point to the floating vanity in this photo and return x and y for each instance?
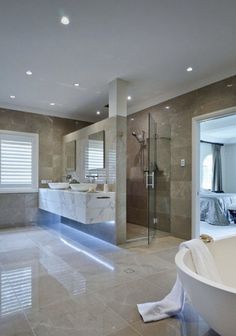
(83, 207)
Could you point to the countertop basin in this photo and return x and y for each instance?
(58, 185)
(83, 186)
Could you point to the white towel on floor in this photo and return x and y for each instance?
(173, 303)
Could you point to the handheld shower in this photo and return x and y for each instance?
(140, 137)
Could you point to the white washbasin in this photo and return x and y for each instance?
(83, 186)
(58, 185)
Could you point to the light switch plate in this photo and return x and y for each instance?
(182, 162)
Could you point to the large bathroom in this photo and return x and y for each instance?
(117, 161)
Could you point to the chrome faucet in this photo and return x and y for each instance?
(92, 178)
(68, 178)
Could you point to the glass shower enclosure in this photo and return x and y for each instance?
(151, 178)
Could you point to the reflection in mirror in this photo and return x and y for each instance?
(70, 156)
(96, 151)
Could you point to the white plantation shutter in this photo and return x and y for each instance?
(18, 160)
(95, 154)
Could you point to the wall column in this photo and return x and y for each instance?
(118, 109)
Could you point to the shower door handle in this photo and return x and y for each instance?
(148, 177)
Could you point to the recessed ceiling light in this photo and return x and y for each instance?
(189, 69)
(76, 84)
(167, 107)
(29, 72)
(132, 119)
(98, 112)
(65, 20)
(129, 97)
(229, 85)
(52, 104)
(12, 97)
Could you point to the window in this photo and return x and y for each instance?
(18, 161)
(95, 154)
(207, 172)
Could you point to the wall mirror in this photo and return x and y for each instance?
(70, 156)
(96, 151)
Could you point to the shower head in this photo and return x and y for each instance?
(140, 137)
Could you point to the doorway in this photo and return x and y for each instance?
(213, 174)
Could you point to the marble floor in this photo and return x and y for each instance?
(64, 283)
(135, 231)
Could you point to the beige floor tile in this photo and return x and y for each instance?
(42, 237)
(125, 332)
(143, 265)
(158, 244)
(15, 325)
(14, 242)
(93, 265)
(157, 328)
(43, 330)
(37, 292)
(168, 254)
(86, 288)
(105, 281)
(164, 280)
(124, 298)
(136, 231)
(19, 256)
(86, 314)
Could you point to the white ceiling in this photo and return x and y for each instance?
(221, 130)
(149, 43)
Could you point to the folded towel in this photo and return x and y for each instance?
(173, 303)
(202, 259)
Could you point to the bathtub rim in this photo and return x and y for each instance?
(179, 261)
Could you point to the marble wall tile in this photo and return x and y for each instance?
(137, 216)
(177, 121)
(181, 226)
(164, 221)
(18, 209)
(50, 130)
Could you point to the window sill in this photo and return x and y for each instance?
(18, 191)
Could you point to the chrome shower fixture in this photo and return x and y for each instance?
(140, 137)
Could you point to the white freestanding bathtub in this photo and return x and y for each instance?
(215, 302)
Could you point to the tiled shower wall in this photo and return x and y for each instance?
(205, 100)
(21, 209)
(137, 162)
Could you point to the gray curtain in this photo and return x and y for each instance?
(217, 168)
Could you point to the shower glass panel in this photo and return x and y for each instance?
(151, 177)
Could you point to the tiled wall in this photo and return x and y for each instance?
(19, 209)
(81, 137)
(208, 99)
(115, 164)
(137, 164)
